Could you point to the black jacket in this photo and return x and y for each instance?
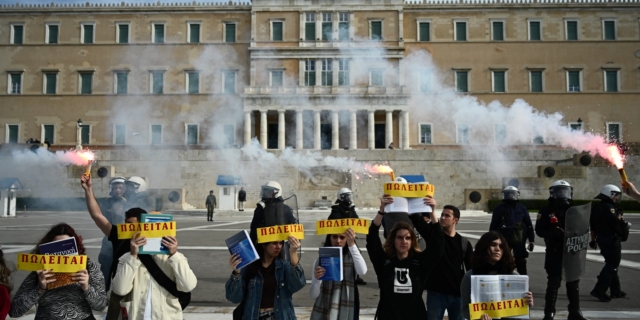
(604, 221)
(242, 195)
(282, 215)
(340, 212)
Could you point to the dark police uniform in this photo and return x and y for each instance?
(609, 230)
(506, 216)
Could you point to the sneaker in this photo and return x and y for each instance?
(600, 296)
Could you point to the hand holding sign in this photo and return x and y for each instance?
(136, 243)
(45, 277)
(82, 278)
(351, 237)
(170, 243)
(294, 244)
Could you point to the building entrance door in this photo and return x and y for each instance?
(272, 136)
(380, 133)
(325, 133)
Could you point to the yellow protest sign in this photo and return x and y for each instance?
(280, 233)
(499, 309)
(60, 264)
(409, 190)
(149, 229)
(338, 226)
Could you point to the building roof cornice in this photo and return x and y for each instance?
(422, 4)
(124, 6)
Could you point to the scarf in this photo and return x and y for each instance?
(337, 298)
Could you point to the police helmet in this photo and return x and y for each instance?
(117, 180)
(271, 190)
(510, 193)
(345, 195)
(401, 180)
(561, 190)
(138, 184)
(610, 191)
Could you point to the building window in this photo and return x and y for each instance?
(343, 26)
(156, 134)
(327, 73)
(87, 31)
(462, 81)
(609, 29)
(157, 82)
(277, 28)
(309, 72)
(122, 32)
(461, 30)
(12, 133)
(193, 32)
(463, 134)
(573, 81)
(17, 33)
(229, 81)
(52, 32)
(375, 78)
(538, 139)
(499, 79)
(424, 31)
(50, 82)
(614, 132)
(575, 126)
(571, 29)
(157, 32)
(230, 134)
(497, 31)
(500, 134)
(310, 26)
(230, 32)
(425, 133)
(327, 25)
(48, 133)
(85, 134)
(119, 134)
(14, 83)
(535, 81)
(535, 30)
(193, 82)
(122, 82)
(192, 134)
(375, 29)
(343, 72)
(276, 78)
(86, 82)
(611, 81)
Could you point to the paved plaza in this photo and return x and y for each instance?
(203, 243)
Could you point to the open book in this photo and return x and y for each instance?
(64, 247)
(408, 205)
(492, 288)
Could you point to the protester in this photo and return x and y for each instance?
(443, 284)
(70, 302)
(5, 287)
(338, 299)
(511, 219)
(400, 265)
(211, 205)
(113, 209)
(345, 208)
(608, 230)
(137, 196)
(151, 300)
(119, 246)
(491, 256)
(242, 197)
(630, 190)
(265, 287)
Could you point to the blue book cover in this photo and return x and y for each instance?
(241, 244)
(331, 260)
(154, 245)
(64, 247)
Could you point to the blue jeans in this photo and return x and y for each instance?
(437, 303)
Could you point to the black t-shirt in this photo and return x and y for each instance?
(448, 272)
(120, 247)
(269, 285)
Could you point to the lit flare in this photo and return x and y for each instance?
(381, 169)
(618, 160)
(88, 157)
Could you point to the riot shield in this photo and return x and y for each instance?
(292, 203)
(576, 242)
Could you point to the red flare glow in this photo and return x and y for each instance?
(615, 157)
(380, 169)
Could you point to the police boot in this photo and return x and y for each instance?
(604, 280)
(615, 287)
(553, 284)
(573, 294)
(521, 266)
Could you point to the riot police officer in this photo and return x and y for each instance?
(608, 229)
(550, 226)
(344, 206)
(137, 196)
(512, 220)
(271, 210)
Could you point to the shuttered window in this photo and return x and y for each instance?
(48, 133)
(18, 34)
(424, 29)
(462, 80)
(120, 133)
(461, 31)
(498, 30)
(376, 30)
(123, 33)
(13, 133)
(53, 34)
(611, 78)
(230, 32)
(534, 31)
(194, 82)
(88, 33)
(86, 79)
(158, 82)
(50, 83)
(536, 81)
(499, 78)
(276, 30)
(572, 30)
(609, 30)
(158, 33)
(85, 133)
(122, 83)
(194, 33)
(192, 134)
(573, 78)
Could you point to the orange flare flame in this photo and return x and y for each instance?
(380, 169)
(615, 156)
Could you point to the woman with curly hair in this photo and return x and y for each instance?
(75, 301)
(491, 256)
(5, 287)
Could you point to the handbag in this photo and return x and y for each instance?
(162, 279)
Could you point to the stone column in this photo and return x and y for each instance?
(405, 132)
(353, 141)
(263, 129)
(317, 144)
(335, 132)
(281, 129)
(400, 130)
(371, 134)
(247, 127)
(299, 137)
(388, 136)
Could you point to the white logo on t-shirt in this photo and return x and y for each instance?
(402, 281)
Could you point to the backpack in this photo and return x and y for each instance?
(464, 242)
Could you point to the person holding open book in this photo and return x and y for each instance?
(400, 265)
(338, 299)
(76, 298)
(492, 256)
(265, 288)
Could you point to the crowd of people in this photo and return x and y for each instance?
(157, 286)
